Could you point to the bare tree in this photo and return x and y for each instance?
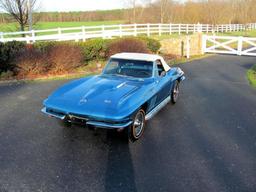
(19, 10)
(133, 9)
(163, 9)
(137, 9)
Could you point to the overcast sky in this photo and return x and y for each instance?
(82, 5)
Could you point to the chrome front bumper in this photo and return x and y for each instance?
(86, 121)
(58, 116)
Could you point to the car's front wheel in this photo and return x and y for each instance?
(175, 92)
(137, 127)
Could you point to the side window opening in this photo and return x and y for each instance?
(160, 67)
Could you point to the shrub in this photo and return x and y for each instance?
(64, 58)
(169, 57)
(8, 52)
(127, 45)
(254, 68)
(44, 46)
(31, 62)
(94, 49)
(152, 44)
(61, 57)
(6, 75)
(251, 75)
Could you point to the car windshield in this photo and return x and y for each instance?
(131, 68)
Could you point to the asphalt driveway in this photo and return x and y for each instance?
(206, 142)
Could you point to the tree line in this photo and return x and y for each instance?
(141, 11)
(202, 11)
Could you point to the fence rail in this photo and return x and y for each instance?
(108, 31)
(229, 45)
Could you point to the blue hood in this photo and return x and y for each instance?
(101, 96)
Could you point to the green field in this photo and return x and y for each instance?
(251, 33)
(11, 27)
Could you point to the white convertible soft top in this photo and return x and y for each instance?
(142, 57)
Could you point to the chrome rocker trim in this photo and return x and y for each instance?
(154, 111)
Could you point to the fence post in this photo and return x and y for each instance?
(135, 29)
(59, 34)
(188, 47)
(120, 31)
(199, 29)
(148, 30)
(170, 29)
(27, 39)
(76, 37)
(33, 36)
(159, 29)
(2, 37)
(179, 29)
(83, 32)
(204, 43)
(194, 28)
(103, 32)
(240, 46)
(187, 28)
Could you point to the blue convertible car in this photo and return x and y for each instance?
(132, 88)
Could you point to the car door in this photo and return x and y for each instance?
(163, 83)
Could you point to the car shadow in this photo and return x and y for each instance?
(118, 172)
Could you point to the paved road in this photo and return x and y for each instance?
(207, 142)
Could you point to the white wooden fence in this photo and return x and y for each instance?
(109, 31)
(229, 45)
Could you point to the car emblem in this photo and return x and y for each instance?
(84, 100)
(107, 101)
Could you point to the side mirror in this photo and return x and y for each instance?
(163, 73)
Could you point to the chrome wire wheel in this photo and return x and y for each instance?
(175, 92)
(138, 125)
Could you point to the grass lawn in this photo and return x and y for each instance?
(251, 75)
(251, 33)
(11, 27)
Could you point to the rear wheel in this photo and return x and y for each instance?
(175, 92)
(136, 129)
